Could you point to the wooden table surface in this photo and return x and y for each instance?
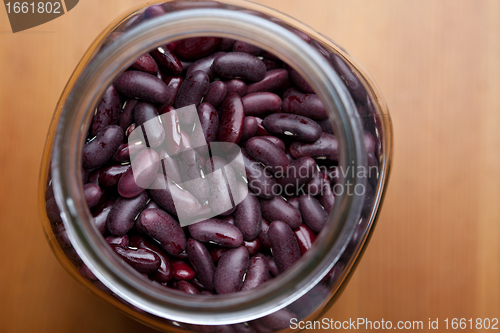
(435, 252)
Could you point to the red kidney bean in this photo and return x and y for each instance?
(236, 86)
(291, 92)
(143, 260)
(300, 82)
(182, 271)
(307, 105)
(315, 185)
(165, 272)
(241, 46)
(107, 112)
(284, 245)
(351, 80)
(191, 170)
(140, 175)
(100, 215)
(294, 201)
(186, 287)
(313, 214)
(326, 197)
(305, 238)
(202, 263)
(325, 125)
(146, 63)
(216, 231)
(125, 150)
(221, 196)
(162, 227)
(279, 209)
(191, 91)
(118, 240)
(260, 181)
(152, 131)
(231, 119)
(226, 44)
(249, 128)
(261, 131)
(325, 147)
(238, 64)
(122, 216)
(253, 247)
(261, 103)
(216, 252)
(143, 86)
(101, 149)
(277, 141)
(167, 60)
(230, 270)
(209, 121)
(248, 217)
(297, 127)
(273, 80)
(273, 269)
(298, 173)
(170, 167)
(196, 47)
(154, 11)
(130, 129)
(257, 274)
(217, 90)
(268, 153)
(205, 65)
(92, 194)
(173, 137)
(263, 237)
(173, 84)
(278, 320)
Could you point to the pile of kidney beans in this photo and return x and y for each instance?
(246, 96)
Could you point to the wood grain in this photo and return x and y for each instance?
(435, 252)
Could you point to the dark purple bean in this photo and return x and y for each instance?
(143, 260)
(351, 80)
(144, 86)
(205, 65)
(182, 271)
(294, 201)
(272, 64)
(162, 227)
(107, 112)
(300, 82)
(253, 247)
(236, 86)
(173, 83)
(118, 240)
(132, 148)
(170, 167)
(230, 270)
(294, 126)
(315, 185)
(278, 209)
(238, 64)
(151, 131)
(130, 129)
(326, 197)
(191, 170)
(277, 141)
(226, 44)
(231, 119)
(196, 47)
(101, 149)
(140, 175)
(291, 92)
(325, 147)
(192, 90)
(127, 114)
(278, 320)
(216, 93)
(206, 293)
(273, 269)
(257, 274)
(122, 216)
(313, 214)
(261, 131)
(241, 46)
(326, 125)
(305, 238)
(274, 79)
(209, 121)
(186, 287)
(202, 263)
(152, 204)
(249, 128)
(298, 173)
(171, 123)
(263, 237)
(92, 194)
(144, 112)
(248, 217)
(284, 245)
(216, 252)
(167, 60)
(165, 272)
(101, 214)
(154, 11)
(261, 103)
(268, 153)
(307, 105)
(260, 181)
(216, 231)
(146, 63)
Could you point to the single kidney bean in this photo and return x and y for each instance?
(273, 269)
(284, 245)
(92, 194)
(216, 252)
(278, 320)
(239, 64)
(260, 181)
(315, 185)
(268, 153)
(298, 173)
(100, 215)
(167, 60)
(146, 63)
(126, 150)
(140, 175)
(169, 166)
(196, 47)
(260, 103)
(230, 270)
(154, 11)
(191, 172)
(261, 131)
(298, 127)
(122, 216)
(173, 84)
(182, 271)
(257, 274)
(325, 147)
(143, 86)
(107, 112)
(143, 260)
(279, 209)
(226, 44)
(326, 197)
(173, 135)
(231, 119)
(326, 126)
(307, 105)
(101, 149)
(241, 46)
(273, 80)
(263, 236)
(300, 82)
(351, 80)
(205, 65)
(217, 90)
(313, 214)
(118, 240)
(236, 86)
(186, 287)
(216, 231)
(253, 247)
(202, 263)
(294, 201)
(248, 217)
(249, 128)
(191, 91)
(165, 272)
(162, 227)
(305, 238)
(152, 131)
(277, 141)
(209, 121)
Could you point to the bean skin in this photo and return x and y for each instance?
(260, 103)
(325, 147)
(162, 227)
(191, 170)
(261, 131)
(230, 270)
(216, 231)
(152, 131)
(241, 46)
(107, 112)
(248, 217)
(236, 86)
(231, 119)
(297, 127)
(92, 194)
(216, 93)
(173, 137)
(143, 260)
(118, 240)
(307, 105)
(273, 80)
(100, 215)
(313, 214)
(191, 91)
(263, 237)
(182, 271)
(143, 86)
(305, 238)
(170, 167)
(186, 287)
(278, 320)
(249, 128)
(140, 175)
(300, 82)
(209, 121)
(173, 84)
(268, 153)
(101, 149)
(196, 47)
(253, 247)
(221, 196)
(132, 148)
(167, 60)
(239, 64)
(298, 173)
(284, 245)
(122, 216)
(146, 63)
(277, 141)
(127, 114)
(205, 65)
(154, 11)
(279, 209)
(165, 271)
(202, 263)
(326, 197)
(257, 273)
(351, 80)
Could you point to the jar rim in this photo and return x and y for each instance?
(82, 95)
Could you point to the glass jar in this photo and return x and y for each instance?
(357, 115)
